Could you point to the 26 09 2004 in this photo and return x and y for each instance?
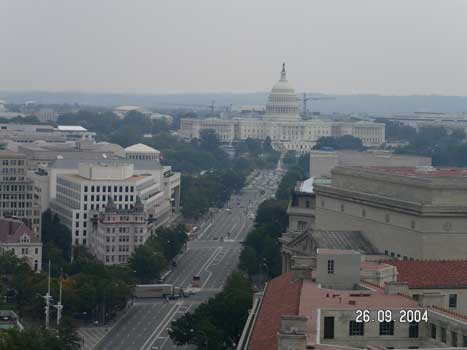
(401, 316)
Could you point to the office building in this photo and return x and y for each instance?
(80, 197)
(17, 192)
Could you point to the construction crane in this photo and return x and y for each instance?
(305, 100)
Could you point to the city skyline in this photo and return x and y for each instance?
(155, 47)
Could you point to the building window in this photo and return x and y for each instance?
(443, 335)
(386, 328)
(413, 330)
(433, 331)
(330, 266)
(342, 207)
(301, 225)
(454, 339)
(387, 218)
(363, 213)
(412, 224)
(464, 341)
(453, 300)
(322, 204)
(85, 188)
(307, 204)
(356, 328)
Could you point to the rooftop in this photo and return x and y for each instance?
(127, 108)
(12, 229)
(70, 128)
(141, 148)
(304, 298)
(431, 273)
(352, 240)
(282, 297)
(422, 171)
(10, 154)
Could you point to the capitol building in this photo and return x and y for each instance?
(283, 124)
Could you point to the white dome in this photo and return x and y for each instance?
(282, 102)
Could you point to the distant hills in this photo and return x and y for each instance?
(371, 104)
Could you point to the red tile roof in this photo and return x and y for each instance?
(432, 273)
(282, 297)
(11, 231)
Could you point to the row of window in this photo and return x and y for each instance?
(443, 336)
(124, 230)
(104, 198)
(108, 189)
(13, 162)
(385, 328)
(120, 258)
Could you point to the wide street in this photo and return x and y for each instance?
(212, 256)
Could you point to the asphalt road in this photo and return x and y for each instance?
(212, 256)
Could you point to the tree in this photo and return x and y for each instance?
(53, 231)
(272, 212)
(341, 142)
(208, 139)
(171, 240)
(248, 261)
(68, 335)
(147, 263)
(288, 182)
(217, 323)
(267, 145)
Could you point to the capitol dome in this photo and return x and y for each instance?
(282, 102)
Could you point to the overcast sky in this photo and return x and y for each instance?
(167, 46)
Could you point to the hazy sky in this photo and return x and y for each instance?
(166, 46)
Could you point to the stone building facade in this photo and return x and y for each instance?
(117, 232)
(406, 212)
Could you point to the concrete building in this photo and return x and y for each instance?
(405, 212)
(80, 197)
(46, 115)
(168, 180)
(303, 309)
(17, 192)
(282, 124)
(418, 120)
(27, 133)
(322, 162)
(41, 154)
(122, 111)
(117, 232)
(17, 237)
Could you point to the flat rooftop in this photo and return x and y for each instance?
(417, 171)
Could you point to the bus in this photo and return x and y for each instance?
(157, 291)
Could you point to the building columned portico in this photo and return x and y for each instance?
(283, 124)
